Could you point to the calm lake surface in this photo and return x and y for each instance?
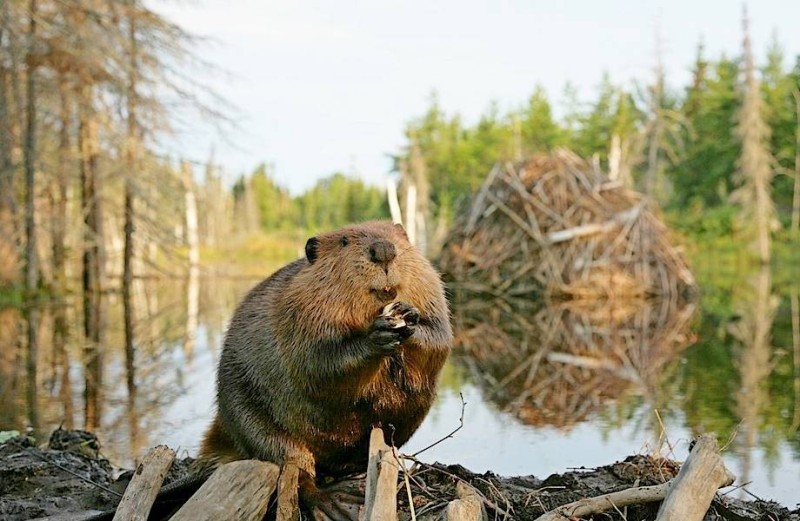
(546, 389)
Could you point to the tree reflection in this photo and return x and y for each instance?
(795, 311)
(11, 414)
(756, 308)
(558, 363)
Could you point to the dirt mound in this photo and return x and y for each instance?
(38, 482)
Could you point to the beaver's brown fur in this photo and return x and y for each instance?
(309, 365)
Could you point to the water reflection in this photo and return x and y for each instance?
(584, 373)
(11, 414)
(558, 364)
(99, 384)
(756, 306)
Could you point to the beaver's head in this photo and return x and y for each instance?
(371, 259)
(352, 273)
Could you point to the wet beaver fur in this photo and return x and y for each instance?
(310, 363)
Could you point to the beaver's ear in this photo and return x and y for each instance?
(402, 230)
(311, 249)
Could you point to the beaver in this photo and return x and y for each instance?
(352, 336)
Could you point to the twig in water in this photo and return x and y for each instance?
(737, 487)
(664, 433)
(460, 426)
(732, 437)
(751, 494)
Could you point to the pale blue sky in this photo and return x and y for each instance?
(323, 86)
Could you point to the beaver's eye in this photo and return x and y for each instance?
(344, 241)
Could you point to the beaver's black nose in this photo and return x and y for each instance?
(382, 252)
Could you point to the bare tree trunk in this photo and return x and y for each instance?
(59, 217)
(755, 162)
(652, 158)
(93, 260)
(191, 214)
(411, 213)
(59, 234)
(796, 196)
(31, 256)
(614, 158)
(9, 254)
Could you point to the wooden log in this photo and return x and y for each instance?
(590, 229)
(468, 506)
(288, 504)
(707, 473)
(236, 491)
(694, 487)
(141, 492)
(594, 505)
(380, 502)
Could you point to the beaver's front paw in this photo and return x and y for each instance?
(395, 324)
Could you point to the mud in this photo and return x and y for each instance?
(67, 478)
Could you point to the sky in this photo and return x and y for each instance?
(325, 86)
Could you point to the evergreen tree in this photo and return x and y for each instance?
(538, 128)
(704, 176)
(777, 88)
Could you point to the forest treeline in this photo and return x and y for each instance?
(90, 88)
(721, 154)
(708, 151)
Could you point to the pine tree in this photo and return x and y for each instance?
(539, 129)
(704, 175)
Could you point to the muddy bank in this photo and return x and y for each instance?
(67, 477)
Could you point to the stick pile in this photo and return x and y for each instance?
(556, 225)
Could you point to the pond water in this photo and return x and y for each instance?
(545, 389)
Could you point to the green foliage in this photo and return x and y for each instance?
(275, 208)
(696, 158)
(338, 200)
(706, 170)
(539, 129)
(331, 203)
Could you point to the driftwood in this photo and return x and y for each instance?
(380, 503)
(694, 487)
(687, 497)
(145, 484)
(288, 504)
(236, 491)
(614, 500)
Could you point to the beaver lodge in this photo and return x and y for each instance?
(556, 225)
(567, 290)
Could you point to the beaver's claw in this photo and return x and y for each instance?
(396, 323)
